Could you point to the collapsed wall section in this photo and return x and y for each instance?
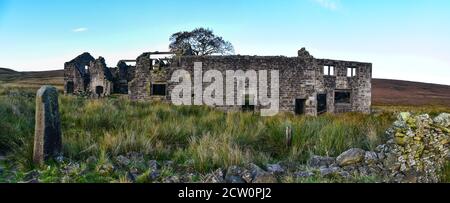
(139, 87)
(76, 74)
(101, 82)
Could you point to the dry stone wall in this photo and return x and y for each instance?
(416, 152)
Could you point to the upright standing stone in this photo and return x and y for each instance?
(288, 136)
(47, 136)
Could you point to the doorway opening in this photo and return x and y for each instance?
(69, 87)
(99, 90)
(248, 105)
(300, 106)
(321, 104)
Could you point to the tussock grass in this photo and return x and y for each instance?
(207, 137)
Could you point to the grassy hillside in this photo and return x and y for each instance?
(200, 137)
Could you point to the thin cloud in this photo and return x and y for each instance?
(328, 4)
(81, 29)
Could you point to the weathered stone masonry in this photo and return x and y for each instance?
(85, 75)
(307, 85)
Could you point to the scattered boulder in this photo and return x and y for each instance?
(321, 161)
(132, 175)
(172, 179)
(233, 175)
(303, 174)
(154, 175)
(70, 168)
(105, 168)
(275, 169)
(371, 158)
(154, 165)
(352, 156)
(135, 158)
(215, 177)
(258, 175)
(123, 161)
(327, 172)
(189, 177)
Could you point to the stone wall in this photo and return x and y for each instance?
(304, 86)
(301, 78)
(76, 75)
(101, 79)
(125, 74)
(417, 149)
(139, 87)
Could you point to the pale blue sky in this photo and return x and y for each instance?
(404, 39)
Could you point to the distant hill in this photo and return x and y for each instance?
(7, 71)
(31, 79)
(397, 92)
(384, 92)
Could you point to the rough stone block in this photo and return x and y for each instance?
(47, 137)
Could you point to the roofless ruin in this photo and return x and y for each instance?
(307, 85)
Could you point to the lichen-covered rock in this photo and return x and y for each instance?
(442, 120)
(352, 156)
(403, 116)
(417, 150)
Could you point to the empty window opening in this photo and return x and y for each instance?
(328, 70)
(300, 106)
(351, 72)
(99, 90)
(321, 103)
(69, 87)
(249, 103)
(159, 90)
(342, 97)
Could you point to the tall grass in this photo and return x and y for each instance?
(209, 138)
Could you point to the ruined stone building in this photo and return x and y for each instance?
(307, 85)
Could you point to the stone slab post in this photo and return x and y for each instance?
(288, 136)
(47, 135)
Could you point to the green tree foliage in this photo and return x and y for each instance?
(199, 42)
